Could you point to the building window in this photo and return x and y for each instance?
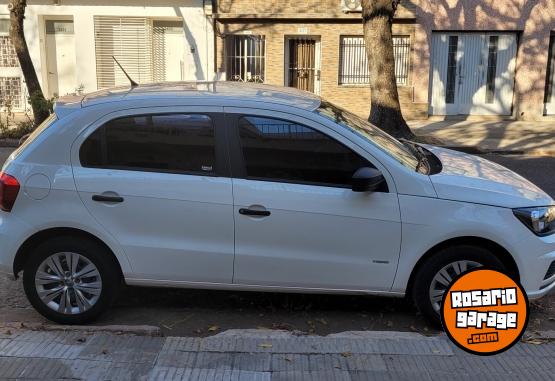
(149, 50)
(353, 60)
(8, 58)
(451, 69)
(492, 68)
(550, 80)
(245, 58)
(10, 92)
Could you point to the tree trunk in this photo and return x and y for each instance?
(17, 36)
(385, 110)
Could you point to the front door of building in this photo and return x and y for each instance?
(60, 58)
(302, 60)
(473, 73)
(168, 48)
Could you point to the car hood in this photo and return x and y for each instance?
(473, 179)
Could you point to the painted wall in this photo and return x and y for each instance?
(534, 20)
(198, 31)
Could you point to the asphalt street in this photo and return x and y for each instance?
(204, 313)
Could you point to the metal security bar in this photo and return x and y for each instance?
(353, 60)
(302, 64)
(245, 58)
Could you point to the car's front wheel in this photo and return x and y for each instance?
(434, 276)
(70, 280)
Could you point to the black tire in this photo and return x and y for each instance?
(92, 251)
(426, 272)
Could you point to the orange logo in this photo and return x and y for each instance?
(484, 311)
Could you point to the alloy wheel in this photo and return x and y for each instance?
(68, 283)
(443, 279)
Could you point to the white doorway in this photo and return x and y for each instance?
(302, 63)
(60, 57)
(472, 73)
(168, 50)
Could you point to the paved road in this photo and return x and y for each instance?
(262, 356)
(201, 313)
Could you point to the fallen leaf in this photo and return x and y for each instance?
(265, 345)
(104, 351)
(288, 359)
(347, 354)
(213, 328)
(81, 339)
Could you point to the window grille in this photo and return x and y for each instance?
(245, 58)
(353, 60)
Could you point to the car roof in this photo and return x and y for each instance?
(220, 91)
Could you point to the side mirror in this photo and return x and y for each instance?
(367, 179)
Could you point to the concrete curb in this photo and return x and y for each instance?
(139, 330)
(484, 151)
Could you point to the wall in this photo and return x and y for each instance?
(533, 19)
(355, 98)
(198, 31)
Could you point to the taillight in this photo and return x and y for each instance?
(9, 188)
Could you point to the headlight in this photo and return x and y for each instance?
(540, 220)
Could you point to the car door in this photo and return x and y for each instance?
(158, 182)
(297, 222)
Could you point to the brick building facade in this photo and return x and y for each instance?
(471, 57)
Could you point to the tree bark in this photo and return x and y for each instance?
(385, 110)
(17, 36)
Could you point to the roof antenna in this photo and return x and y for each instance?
(133, 83)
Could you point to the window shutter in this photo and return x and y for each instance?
(129, 39)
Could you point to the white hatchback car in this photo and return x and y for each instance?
(251, 187)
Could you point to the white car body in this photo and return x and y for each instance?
(185, 231)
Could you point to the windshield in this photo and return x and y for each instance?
(380, 139)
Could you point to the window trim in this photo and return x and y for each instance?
(221, 166)
(239, 168)
(341, 58)
(261, 38)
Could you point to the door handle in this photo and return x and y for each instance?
(103, 198)
(252, 212)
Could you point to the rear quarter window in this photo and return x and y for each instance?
(34, 135)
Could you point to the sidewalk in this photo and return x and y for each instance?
(261, 355)
(502, 136)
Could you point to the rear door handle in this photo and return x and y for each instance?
(252, 212)
(103, 198)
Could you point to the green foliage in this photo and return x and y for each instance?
(41, 105)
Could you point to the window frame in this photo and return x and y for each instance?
(229, 41)
(222, 167)
(407, 65)
(238, 164)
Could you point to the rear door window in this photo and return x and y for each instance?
(174, 143)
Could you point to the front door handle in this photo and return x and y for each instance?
(252, 212)
(104, 198)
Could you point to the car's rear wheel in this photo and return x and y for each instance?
(70, 280)
(434, 276)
